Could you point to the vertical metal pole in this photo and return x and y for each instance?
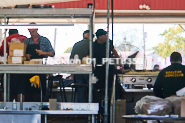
(5, 42)
(144, 66)
(107, 67)
(93, 118)
(112, 14)
(21, 105)
(113, 106)
(8, 87)
(55, 34)
(90, 49)
(45, 118)
(110, 113)
(90, 75)
(41, 103)
(114, 97)
(5, 61)
(5, 87)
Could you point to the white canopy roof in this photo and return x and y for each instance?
(8, 3)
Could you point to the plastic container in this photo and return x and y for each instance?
(14, 105)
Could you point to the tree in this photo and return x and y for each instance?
(69, 49)
(128, 41)
(174, 41)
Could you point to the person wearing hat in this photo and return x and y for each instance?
(16, 84)
(99, 52)
(171, 78)
(81, 49)
(38, 47)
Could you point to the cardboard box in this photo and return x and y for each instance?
(32, 62)
(183, 108)
(17, 49)
(15, 60)
(120, 109)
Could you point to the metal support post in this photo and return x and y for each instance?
(90, 75)
(41, 103)
(107, 67)
(111, 113)
(93, 118)
(5, 87)
(8, 87)
(144, 65)
(5, 61)
(90, 49)
(45, 118)
(55, 34)
(114, 91)
(112, 107)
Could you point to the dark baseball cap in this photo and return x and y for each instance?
(100, 32)
(87, 31)
(175, 56)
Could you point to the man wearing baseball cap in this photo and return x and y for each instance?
(99, 52)
(171, 78)
(81, 49)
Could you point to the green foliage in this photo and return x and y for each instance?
(174, 41)
(69, 49)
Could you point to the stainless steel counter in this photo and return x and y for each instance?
(34, 115)
(46, 112)
(46, 69)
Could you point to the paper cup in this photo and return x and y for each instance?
(52, 104)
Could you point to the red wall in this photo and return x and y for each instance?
(126, 4)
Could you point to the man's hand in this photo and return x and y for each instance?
(40, 52)
(28, 56)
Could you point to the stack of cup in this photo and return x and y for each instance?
(52, 104)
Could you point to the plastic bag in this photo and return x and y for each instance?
(152, 105)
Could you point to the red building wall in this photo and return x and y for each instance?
(126, 4)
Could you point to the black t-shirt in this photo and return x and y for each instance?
(171, 79)
(99, 52)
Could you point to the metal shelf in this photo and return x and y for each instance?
(48, 112)
(46, 13)
(46, 69)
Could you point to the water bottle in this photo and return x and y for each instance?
(14, 105)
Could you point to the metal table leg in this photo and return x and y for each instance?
(8, 87)
(93, 118)
(45, 118)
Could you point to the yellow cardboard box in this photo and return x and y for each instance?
(31, 62)
(17, 49)
(16, 59)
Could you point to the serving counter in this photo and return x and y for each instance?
(154, 117)
(33, 115)
(43, 69)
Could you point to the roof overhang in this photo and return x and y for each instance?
(83, 15)
(12, 3)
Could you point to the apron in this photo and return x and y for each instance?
(31, 49)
